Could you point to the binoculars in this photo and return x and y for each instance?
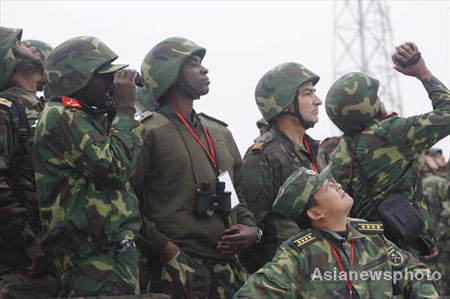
(139, 80)
(206, 203)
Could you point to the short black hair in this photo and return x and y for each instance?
(305, 221)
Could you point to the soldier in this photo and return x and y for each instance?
(88, 209)
(263, 126)
(23, 264)
(286, 98)
(185, 156)
(335, 256)
(437, 189)
(44, 49)
(378, 156)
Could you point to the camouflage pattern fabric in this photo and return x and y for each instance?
(92, 205)
(301, 264)
(64, 77)
(327, 146)
(437, 190)
(189, 277)
(20, 286)
(144, 101)
(82, 172)
(162, 64)
(104, 274)
(277, 89)
(19, 213)
(267, 164)
(8, 37)
(440, 263)
(352, 102)
(388, 151)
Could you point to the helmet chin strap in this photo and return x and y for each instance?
(305, 124)
(184, 86)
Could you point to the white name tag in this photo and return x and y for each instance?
(225, 177)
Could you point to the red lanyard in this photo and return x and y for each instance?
(347, 281)
(212, 155)
(305, 142)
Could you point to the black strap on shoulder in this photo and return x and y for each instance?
(19, 118)
(18, 112)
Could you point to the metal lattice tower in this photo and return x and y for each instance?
(363, 42)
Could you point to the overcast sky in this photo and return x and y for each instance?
(243, 41)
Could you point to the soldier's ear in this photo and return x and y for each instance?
(315, 214)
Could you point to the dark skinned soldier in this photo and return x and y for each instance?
(89, 212)
(185, 155)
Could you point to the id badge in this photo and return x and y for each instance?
(229, 187)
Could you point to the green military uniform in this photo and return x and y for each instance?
(388, 148)
(88, 209)
(437, 190)
(172, 168)
(441, 263)
(273, 158)
(319, 263)
(304, 267)
(19, 215)
(327, 146)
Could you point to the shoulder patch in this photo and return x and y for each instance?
(397, 258)
(305, 239)
(262, 141)
(71, 102)
(369, 227)
(213, 119)
(5, 103)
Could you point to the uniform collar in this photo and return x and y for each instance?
(353, 233)
(314, 144)
(194, 121)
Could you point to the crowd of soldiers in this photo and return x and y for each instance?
(111, 184)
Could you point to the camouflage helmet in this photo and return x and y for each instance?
(352, 102)
(162, 64)
(144, 101)
(72, 64)
(8, 37)
(297, 190)
(277, 89)
(42, 47)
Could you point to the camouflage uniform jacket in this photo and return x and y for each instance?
(18, 203)
(82, 176)
(437, 191)
(305, 267)
(172, 167)
(389, 152)
(267, 164)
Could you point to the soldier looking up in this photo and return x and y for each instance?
(89, 212)
(377, 161)
(23, 264)
(335, 256)
(180, 181)
(286, 98)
